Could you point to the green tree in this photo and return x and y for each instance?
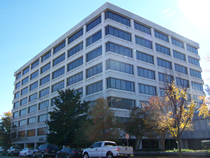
(5, 129)
(65, 119)
(155, 117)
(102, 123)
(136, 126)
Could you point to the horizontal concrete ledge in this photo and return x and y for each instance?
(136, 154)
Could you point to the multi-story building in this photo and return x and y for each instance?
(113, 54)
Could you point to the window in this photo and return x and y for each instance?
(192, 49)
(32, 108)
(24, 91)
(42, 118)
(17, 95)
(35, 74)
(197, 86)
(179, 55)
(95, 87)
(45, 80)
(22, 112)
(22, 123)
(94, 54)
(162, 49)
(59, 59)
(46, 56)
(165, 78)
(118, 33)
(18, 76)
(161, 36)
(23, 101)
(143, 42)
(36, 63)
(25, 70)
(31, 133)
(180, 68)
(58, 86)
(17, 85)
(93, 38)
(142, 28)
(94, 70)
(74, 79)
(75, 64)
(182, 82)
(15, 114)
(121, 103)
(76, 35)
(93, 23)
(177, 43)
(15, 124)
(115, 48)
(118, 18)
(59, 47)
(75, 49)
(120, 84)
(146, 89)
(146, 73)
(44, 92)
(43, 105)
(142, 103)
(195, 73)
(16, 104)
(58, 73)
(80, 90)
(162, 92)
(144, 57)
(45, 68)
(25, 80)
(193, 61)
(164, 63)
(118, 66)
(41, 131)
(32, 97)
(34, 85)
(21, 134)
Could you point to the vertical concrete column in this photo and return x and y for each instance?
(140, 147)
(84, 60)
(103, 53)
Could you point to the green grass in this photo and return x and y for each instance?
(188, 150)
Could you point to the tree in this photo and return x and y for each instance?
(181, 114)
(155, 117)
(5, 130)
(102, 123)
(65, 120)
(136, 125)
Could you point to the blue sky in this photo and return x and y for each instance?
(27, 27)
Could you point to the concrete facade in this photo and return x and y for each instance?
(105, 92)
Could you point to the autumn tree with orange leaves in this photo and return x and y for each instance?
(156, 117)
(102, 122)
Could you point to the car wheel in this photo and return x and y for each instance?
(42, 156)
(85, 155)
(109, 155)
(34, 155)
(67, 156)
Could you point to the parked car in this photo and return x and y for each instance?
(14, 150)
(107, 149)
(46, 150)
(3, 150)
(26, 152)
(69, 153)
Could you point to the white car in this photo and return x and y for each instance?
(26, 152)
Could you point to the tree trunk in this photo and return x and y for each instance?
(179, 146)
(162, 142)
(138, 141)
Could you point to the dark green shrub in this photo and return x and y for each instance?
(205, 144)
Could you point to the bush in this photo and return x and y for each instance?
(205, 144)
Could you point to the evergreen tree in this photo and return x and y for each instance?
(65, 120)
